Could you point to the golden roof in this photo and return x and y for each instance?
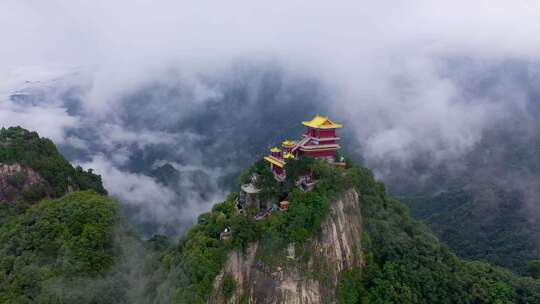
(322, 122)
(288, 143)
(275, 161)
(288, 155)
(275, 150)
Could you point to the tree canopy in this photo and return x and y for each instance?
(56, 242)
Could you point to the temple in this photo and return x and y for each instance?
(319, 141)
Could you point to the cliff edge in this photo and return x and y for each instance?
(303, 274)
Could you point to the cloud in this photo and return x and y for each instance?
(114, 134)
(422, 112)
(135, 189)
(49, 121)
(149, 202)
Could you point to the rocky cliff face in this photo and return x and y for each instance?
(16, 180)
(300, 274)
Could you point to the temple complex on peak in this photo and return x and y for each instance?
(319, 141)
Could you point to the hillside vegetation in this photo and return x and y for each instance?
(478, 228)
(71, 249)
(405, 263)
(53, 244)
(484, 205)
(20, 146)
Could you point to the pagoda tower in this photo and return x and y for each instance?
(319, 141)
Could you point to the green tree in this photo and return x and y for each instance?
(533, 269)
(67, 239)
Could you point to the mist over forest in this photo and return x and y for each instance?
(170, 102)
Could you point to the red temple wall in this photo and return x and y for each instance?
(327, 133)
(326, 142)
(320, 153)
(321, 133)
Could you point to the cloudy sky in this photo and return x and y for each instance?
(360, 49)
(384, 67)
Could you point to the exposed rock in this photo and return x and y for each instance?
(15, 180)
(295, 279)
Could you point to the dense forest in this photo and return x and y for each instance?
(477, 228)
(483, 205)
(55, 245)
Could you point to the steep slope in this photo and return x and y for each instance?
(405, 263)
(485, 204)
(488, 223)
(307, 274)
(20, 183)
